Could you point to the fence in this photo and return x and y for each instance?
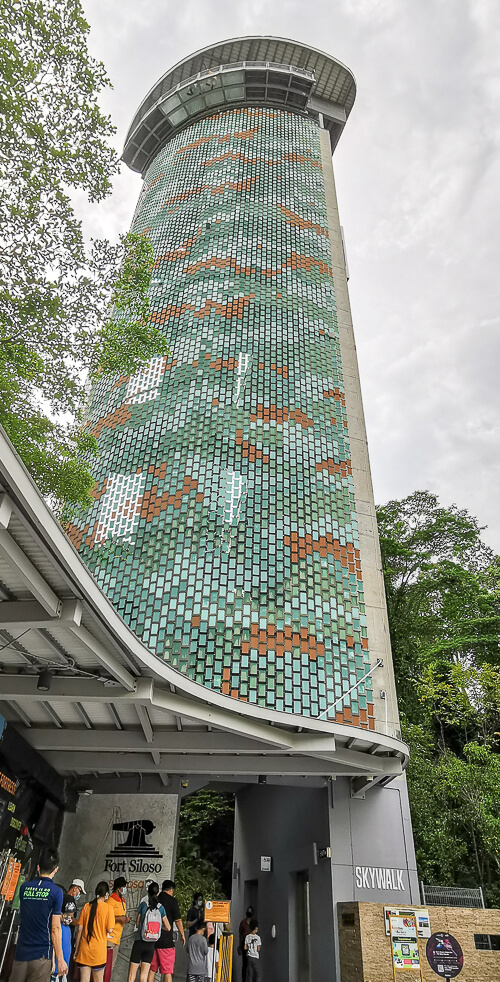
(225, 963)
(435, 896)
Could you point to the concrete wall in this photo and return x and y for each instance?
(372, 857)
(88, 840)
(370, 836)
(386, 711)
(283, 823)
(365, 950)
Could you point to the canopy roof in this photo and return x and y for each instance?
(241, 71)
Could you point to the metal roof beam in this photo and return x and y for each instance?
(130, 741)
(15, 614)
(19, 712)
(115, 717)
(84, 762)
(84, 715)
(52, 713)
(104, 656)
(145, 722)
(6, 509)
(32, 579)
(62, 688)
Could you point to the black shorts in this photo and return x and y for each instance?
(142, 951)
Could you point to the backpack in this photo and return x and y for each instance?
(151, 925)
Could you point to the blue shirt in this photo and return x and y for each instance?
(66, 942)
(40, 900)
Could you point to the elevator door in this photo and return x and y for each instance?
(303, 927)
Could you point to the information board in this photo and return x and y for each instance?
(444, 955)
(404, 944)
(421, 916)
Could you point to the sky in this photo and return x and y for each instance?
(418, 183)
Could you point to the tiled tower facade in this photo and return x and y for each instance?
(225, 527)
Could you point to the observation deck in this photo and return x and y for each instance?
(250, 71)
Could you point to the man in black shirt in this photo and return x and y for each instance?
(164, 955)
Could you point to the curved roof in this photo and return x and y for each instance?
(328, 85)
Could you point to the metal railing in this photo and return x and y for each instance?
(437, 896)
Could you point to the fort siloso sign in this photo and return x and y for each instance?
(379, 878)
(134, 852)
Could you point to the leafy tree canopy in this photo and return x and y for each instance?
(443, 595)
(56, 293)
(204, 847)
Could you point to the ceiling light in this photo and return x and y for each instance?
(44, 680)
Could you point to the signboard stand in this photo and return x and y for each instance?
(405, 951)
(219, 913)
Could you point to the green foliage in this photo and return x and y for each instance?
(443, 595)
(440, 586)
(56, 293)
(204, 847)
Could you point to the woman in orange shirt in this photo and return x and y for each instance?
(94, 923)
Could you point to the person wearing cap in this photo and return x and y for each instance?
(77, 887)
(68, 914)
(117, 902)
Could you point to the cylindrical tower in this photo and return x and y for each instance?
(234, 525)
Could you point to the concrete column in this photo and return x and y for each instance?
(143, 849)
(371, 562)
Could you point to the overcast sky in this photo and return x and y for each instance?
(418, 181)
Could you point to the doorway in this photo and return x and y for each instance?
(250, 895)
(303, 926)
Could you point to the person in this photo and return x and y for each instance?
(68, 912)
(40, 926)
(76, 889)
(243, 930)
(197, 950)
(117, 903)
(164, 956)
(212, 956)
(194, 913)
(252, 948)
(145, 898)
(95, 921)
(150, 918)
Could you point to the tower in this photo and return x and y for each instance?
(234, 525)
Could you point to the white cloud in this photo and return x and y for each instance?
(419, 198)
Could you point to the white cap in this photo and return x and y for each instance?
(79, 883)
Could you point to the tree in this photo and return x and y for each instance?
(204, 847)
(443, 596)
(441, 585)
(56, 293)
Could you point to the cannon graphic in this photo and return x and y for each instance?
(135, 843)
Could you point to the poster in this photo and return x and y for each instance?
(421, 916)
(444, 955)
(404, 943)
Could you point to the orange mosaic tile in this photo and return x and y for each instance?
(118, 417)
(279, 416)
(300, 222)
(153, 504)
(343, 468)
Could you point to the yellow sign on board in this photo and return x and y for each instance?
(218, 911)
